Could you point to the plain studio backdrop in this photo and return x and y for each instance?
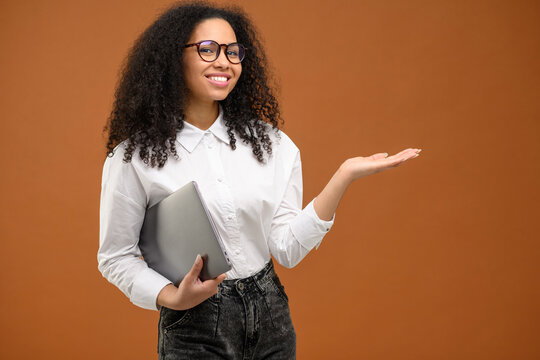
(436, 259)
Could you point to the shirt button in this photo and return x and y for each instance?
(220, 179)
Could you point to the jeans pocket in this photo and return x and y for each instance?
(202, 317)
(173, 318)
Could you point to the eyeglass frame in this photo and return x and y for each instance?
(198, 44)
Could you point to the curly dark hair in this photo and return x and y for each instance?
(148, 110)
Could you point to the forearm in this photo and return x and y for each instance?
(327, 201)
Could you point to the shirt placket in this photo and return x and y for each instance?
(225, 200)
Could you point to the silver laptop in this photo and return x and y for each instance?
(178, 228)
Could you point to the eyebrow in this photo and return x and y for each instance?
(227, 43)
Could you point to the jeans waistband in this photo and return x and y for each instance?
(254, 283)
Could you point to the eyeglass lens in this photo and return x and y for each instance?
(209, 51)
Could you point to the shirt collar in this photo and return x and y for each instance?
(190, 136)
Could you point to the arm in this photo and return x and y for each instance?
(327, 201)
(295, 232)
(122, 211)
(119, 261)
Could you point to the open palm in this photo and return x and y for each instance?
(358, 167)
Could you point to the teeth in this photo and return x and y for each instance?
(218, 78)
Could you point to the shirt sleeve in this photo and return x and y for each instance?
(122, 210)
(294, 232)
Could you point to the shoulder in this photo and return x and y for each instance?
(121, 179)
(119, 172)
(116, 158)
(285, 153)
(281, 142)
(118, 155)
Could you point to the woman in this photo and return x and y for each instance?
(194, 83)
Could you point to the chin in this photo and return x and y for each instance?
(220, 97)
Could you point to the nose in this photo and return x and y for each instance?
(222, 60)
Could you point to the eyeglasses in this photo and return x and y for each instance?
(209, 51)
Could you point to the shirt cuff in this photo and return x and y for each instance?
(146, 287)
(310, 229)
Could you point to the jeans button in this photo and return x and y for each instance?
(240, 286)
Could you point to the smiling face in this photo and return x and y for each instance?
(209, 82)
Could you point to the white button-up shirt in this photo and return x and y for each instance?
(257, 208)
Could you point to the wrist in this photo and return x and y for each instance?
(166, 296)
(344, 174)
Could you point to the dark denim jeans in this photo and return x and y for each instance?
(248, 319)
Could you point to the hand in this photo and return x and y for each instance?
(363, 166)
(191, 291)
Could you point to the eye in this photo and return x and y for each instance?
(208, 48)
(205, 50)
(232, 53)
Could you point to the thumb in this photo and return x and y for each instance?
(216, 281)
(196, 268)
(220, 278)
(379, 156)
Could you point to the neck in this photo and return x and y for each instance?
(201, 115)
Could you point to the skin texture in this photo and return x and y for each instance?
(326, 202)
(203, 95)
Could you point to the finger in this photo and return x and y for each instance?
(195, 269)
(211, 283)
(398, 160)
(403, 152)
(403, 155)
(410, 154)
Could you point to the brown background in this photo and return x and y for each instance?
(437, 259)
